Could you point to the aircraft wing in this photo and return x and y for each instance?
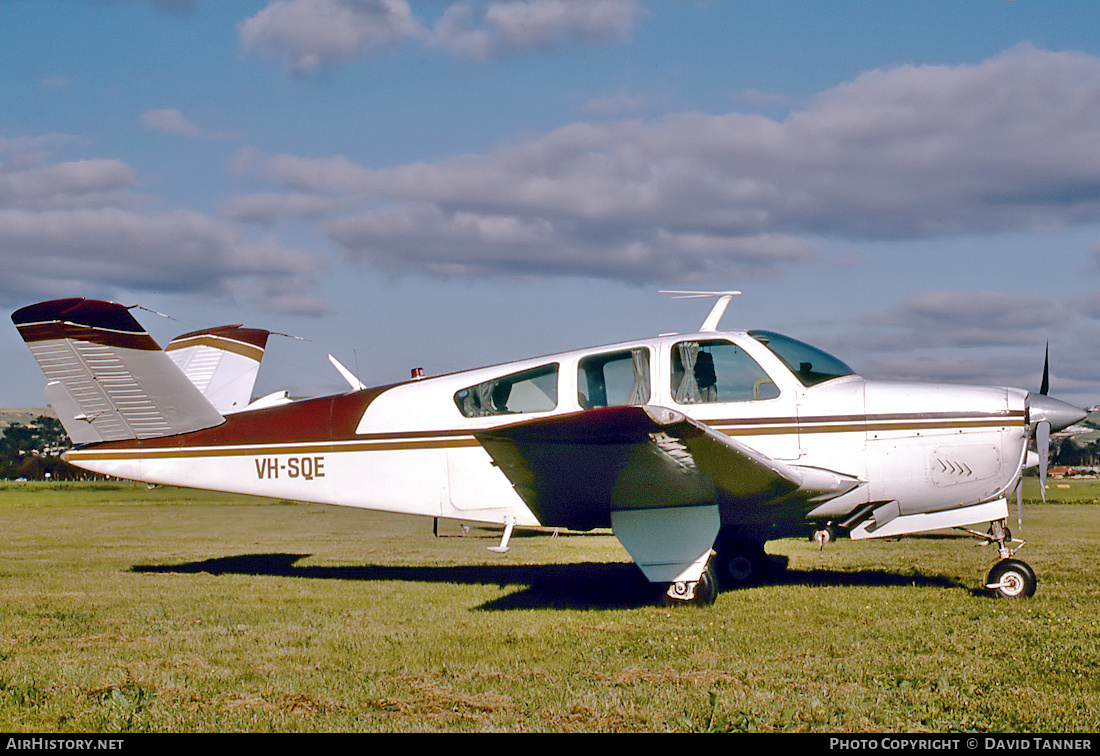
(657, 477)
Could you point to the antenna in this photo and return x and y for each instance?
(716, 313)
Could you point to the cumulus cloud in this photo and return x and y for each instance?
(308, 34)
(929, 337)
(965, 319)
(169, 121)
(904, 153)
(499, 29)
(72, 226)
(270, 209)
(80, 183)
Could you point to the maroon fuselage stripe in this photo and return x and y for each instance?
(57, 330)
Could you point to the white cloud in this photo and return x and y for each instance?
(273, 208)
(932, 336)
(72, 226)
(169, 121)
(909, 152)
(310, 33)
(176, 250)
(505, 28)
(965, 319)
(81, 183)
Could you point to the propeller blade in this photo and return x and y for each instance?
(1042, 445)
(1045, 386)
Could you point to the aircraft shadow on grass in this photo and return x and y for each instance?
(584, 585)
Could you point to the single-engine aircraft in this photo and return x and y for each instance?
(695, 449)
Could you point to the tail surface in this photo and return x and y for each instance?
(107, 378)
(222, 363)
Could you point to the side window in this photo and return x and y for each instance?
(529, 391)
(614, 379)
(717, 371)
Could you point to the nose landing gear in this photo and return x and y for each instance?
(1009, 578)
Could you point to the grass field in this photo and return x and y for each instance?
(125, 609)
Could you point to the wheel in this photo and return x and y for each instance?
(702, 593)
(1011, 578)
(740, 564)
(742, 568)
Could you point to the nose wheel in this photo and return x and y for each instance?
(1009, 578)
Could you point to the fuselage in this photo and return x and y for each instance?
(410, 447)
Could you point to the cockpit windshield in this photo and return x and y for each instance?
(809, 364)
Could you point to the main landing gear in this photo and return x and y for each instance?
(702, 592)
(1009, 578)
(736, 562)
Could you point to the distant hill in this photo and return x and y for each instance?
(9, 416)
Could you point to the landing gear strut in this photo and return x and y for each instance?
(1009, 578)
(741, 561)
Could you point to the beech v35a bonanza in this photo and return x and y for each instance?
(695, 449)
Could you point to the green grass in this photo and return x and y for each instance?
(124, 609)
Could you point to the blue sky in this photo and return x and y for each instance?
(914, 186)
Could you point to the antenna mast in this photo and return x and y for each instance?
(716, 312)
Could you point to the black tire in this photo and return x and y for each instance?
(1011, 578)
(739, 564)
(741, 568)
(706, 591)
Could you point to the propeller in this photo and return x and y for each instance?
(1042, 433)
(1044, 387)
(1045, 415)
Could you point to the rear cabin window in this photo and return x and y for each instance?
(717, 371)
(614, 379)
(533, 390)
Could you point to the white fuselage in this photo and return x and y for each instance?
(410, 448)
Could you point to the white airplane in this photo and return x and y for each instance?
(695, 449)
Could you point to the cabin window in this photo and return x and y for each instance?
(717, 371)
(614, 379)
(527, 391)
(809, 364)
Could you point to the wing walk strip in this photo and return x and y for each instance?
(461, 439)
